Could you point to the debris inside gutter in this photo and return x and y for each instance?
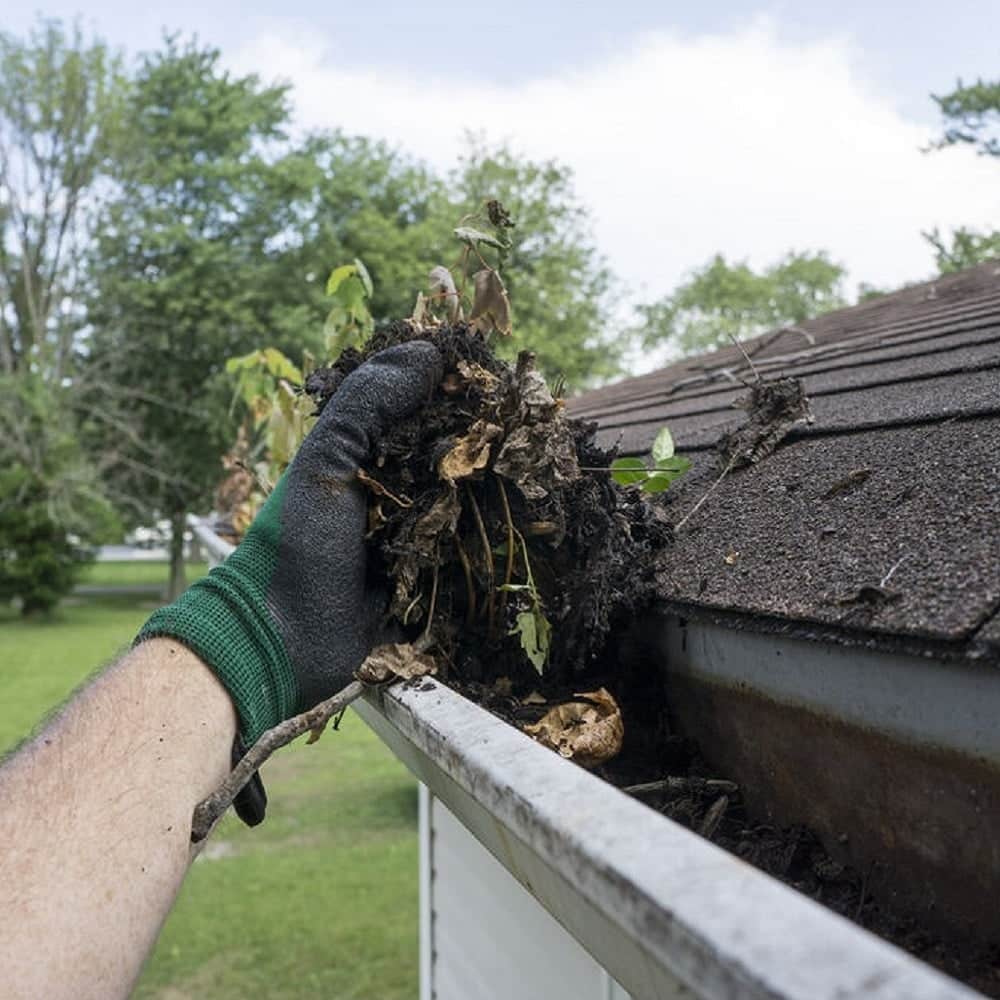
(522, 568)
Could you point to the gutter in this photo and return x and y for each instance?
(217, 548)
(666, 913)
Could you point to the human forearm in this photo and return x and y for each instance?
(96, 817)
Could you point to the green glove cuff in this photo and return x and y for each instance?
(224, 618)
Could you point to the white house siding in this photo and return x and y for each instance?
(485, 937)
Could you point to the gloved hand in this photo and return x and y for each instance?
(286, 620)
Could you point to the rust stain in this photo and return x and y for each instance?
(924, 820)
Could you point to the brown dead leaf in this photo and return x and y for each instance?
(538, 458)
(490, 304)
(442, 289)
(395, 660)
(421, 314)
(421, 548)
(534, 699)
(589, 731)
(479, 377)
(469, 453)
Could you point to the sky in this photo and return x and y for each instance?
(742, 127)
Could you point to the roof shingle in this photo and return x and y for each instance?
(879, 520)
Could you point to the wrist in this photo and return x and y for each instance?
(223, 619)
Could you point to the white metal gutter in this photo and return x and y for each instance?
(216, 547)
(666, 913)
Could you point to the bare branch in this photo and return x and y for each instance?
(208, 812)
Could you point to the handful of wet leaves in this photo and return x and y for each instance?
(509, 554)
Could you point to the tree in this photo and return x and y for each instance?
(363, 199)
(722, 301)
(60, 113)
(191, 249)
(50, 498)
(60, 103)
(559, 285)
(971, 115)
(357, 198)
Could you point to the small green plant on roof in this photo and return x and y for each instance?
(657, 477)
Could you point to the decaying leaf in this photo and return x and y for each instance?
(490, 304)
(442, 288)
(538, 458)
(478, 377)
(395, 660)
(467, 234)
(774, 409)
(421, 312)
(470, 453)
(420, 548)
(589, 730)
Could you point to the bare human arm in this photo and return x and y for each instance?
(95, 812)
(95, 822)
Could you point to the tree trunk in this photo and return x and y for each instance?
(178, 581)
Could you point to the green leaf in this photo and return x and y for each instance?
(243, 361)
(338, 276)
(366, 278)
(535, 633)
(472, 236)
(628, 471)
(657, 483)
(677, 465)
(280, 366)
(665, 473)
(663, 446)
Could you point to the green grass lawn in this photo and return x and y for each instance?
(131, 574)
(321, 900)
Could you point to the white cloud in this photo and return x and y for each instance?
(682, 147)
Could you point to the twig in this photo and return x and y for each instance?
(430, 611)
(708, 492)
(714, 817)
(749, 360)
(208, 811)
(487, 555)
(899, 562)
(509, 572)
(463, 558)
(681, 784)
(383, 491)
(671, 784)
(864, 891)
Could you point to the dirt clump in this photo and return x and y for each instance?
(500, 535)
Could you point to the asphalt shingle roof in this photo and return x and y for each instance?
(879, 521)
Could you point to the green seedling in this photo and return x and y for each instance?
(653, 478)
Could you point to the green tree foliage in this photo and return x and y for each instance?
(722, 300)
(60, 107)
(187, 270)
(358, 198)
(971, 114)
(558, 284)
(60, 113)
(963, 248)
(50, 498)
